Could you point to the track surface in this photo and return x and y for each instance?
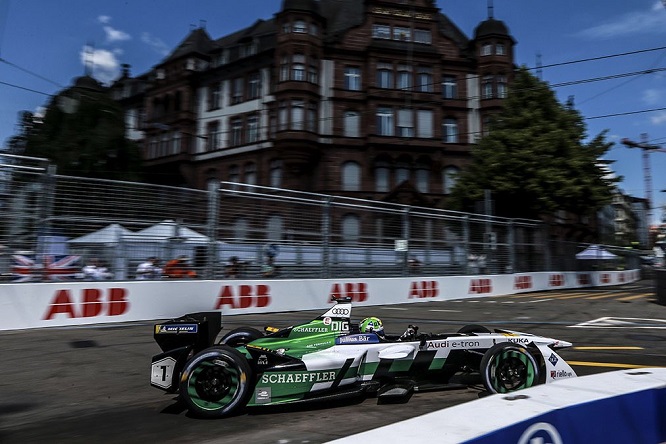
(91, 384)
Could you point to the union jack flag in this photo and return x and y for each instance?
(50, 268)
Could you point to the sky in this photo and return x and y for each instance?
(610, 56)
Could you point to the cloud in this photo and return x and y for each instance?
(115, 35)
(105, 64)
(155, 43)
(652, 96)
(658, 118)
(104, 19)
(651, 21)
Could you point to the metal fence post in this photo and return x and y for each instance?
(326, 238)
(211, 229)
(405, 236)
(512, 247)
(47, 192)
(465, 224)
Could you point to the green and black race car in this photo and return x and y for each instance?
(330, 357)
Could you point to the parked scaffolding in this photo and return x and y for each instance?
(51, 226)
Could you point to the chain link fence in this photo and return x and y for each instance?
(52, 227)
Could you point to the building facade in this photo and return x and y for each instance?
(378, 99)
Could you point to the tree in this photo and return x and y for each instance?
(83, 134)
(534, 159)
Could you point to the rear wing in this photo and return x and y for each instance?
(197, 330)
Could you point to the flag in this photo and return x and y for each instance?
(50, 268)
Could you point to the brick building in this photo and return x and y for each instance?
(378, 99)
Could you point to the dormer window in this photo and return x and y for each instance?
(300, 27)
(402, 34)
(487, 49)
(500, 49)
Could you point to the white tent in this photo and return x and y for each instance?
(595, 252)
(111, 234)
(168, 230)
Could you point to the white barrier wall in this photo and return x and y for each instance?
(75, 303)
(626, 406)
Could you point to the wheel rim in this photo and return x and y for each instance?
(214, 384)
(511, 370)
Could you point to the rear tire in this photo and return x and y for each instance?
(216, 382)
(240, 336)
(473, 328)
(507, 367)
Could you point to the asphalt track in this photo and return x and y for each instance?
(91, 384)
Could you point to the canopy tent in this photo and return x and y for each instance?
(111, 234)
(595, 252)
(168, 230)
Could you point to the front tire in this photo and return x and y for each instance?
(507, 367)
(216, 382)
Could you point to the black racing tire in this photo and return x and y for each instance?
(240, 336)
(473, 328)
(216, 382)
(507, 367)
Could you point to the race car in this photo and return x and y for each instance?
(331, 357)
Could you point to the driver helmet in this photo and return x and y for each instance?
(372, 325)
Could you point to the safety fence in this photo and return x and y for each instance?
(55, 227)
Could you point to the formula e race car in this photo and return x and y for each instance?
(330, 358)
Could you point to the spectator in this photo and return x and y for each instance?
(179, 268)
(233, 268)
(149, 269)
(268, 270)
(414, 264)
(94, 271)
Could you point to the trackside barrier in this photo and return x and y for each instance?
(76, 303)
(626, 406)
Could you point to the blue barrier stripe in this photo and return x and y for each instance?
(637, 418)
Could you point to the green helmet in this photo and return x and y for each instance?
(372, 325)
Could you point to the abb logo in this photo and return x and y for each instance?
(246, 297)
(94, 302)
(583, 279)
(357, 291)
(424, 289)
(480, 286)
(621, 277)
(556, 280)
(605, 278)
(522, 283)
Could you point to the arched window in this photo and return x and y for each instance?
(352, 124)
(276, 173)
(382, 172)
(423, 177)
(449, 177)
(250, 173)
(274, 228)
(351, 176)
(297, 114)
(402, 172)
(351, 229)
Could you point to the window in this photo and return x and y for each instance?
(254, 85)
(214, 96)
(422, 36)
(450, 130)
(487, 49)
(351, 176)
(352, 78)
(351, 229)
(403, 34)
(236, 134)
(298, 68)
(314, 29)
(501, 87)
(382, 177)
(274, 228)
(405, 123)
(384, 121)
(252, 129)
(284, 69)
(500, 49)
(404, 78)
(449, 87)
(213, 134)
(449, 177)
(311, 121)
(423, 178)
(313, 72)
(300, 27)
(297, 115)
(425, 79)
(485, 129)
(240, 228)
(237, 90)
(250, 174)
(275, 173)
(487, 87)
(352, 124)
(385, 75)
(402, 173)
(381, 32)
(424, 123)
(283, 116)
(233, 174)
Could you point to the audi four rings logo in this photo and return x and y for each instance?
(340, 311)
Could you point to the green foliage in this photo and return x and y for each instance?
(534, 160)
(83, 134)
